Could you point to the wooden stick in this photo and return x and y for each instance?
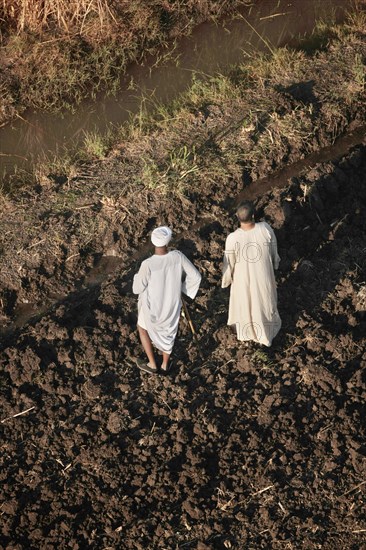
(188, 317)
(191, 326)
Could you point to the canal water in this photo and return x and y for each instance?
(211, 49)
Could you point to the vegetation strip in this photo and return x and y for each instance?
(54, 54)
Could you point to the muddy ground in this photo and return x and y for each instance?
(239, 448)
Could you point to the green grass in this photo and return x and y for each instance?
(359, 73)
(263, 357)
(59, 74)
(172, 174)
(94, 145)
(225, 122)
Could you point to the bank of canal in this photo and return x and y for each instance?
(212, 49)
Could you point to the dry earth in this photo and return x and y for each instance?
(237, 448)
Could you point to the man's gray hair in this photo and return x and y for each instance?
(245, 212)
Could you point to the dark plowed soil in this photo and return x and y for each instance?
(239, 447)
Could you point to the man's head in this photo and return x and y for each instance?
(161, 236)
(245, 212)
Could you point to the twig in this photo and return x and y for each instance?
(262, 490)
(274, 15)
(52, 40)
(125, 208)
(208, 362)
(165, 403)
(84, 206)
(317, 215)
(12, 154)
(24, 120)
(72, 256)
(258, 34)
(18, 414)
(354, 488)
(37, 243)
(325, 428)
(282, 507)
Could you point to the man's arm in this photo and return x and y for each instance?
(273, 248)
(193, 278)
(230, 258)
(141, 279)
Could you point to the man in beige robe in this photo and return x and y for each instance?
(249, 262)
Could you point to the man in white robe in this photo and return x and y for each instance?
(159, 283)
(249, 262)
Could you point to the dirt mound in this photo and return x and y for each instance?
(248, 448)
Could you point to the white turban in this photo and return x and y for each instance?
(161, 236)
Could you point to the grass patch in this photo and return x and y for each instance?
(266, 112)
(95, 145)
(173, 174)
(263, 357)
(357, 87)
(60, 73)
(57, 53)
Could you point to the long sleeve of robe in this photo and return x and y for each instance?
(249, 261)
(159, 283)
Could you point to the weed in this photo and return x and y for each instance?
(95, 145)
(67, 15)
(223, 122)
(65, 202)
(286, 62)
(150, 176)
(63, 164)
(18, 178)
(356, 17)
(357, 86)
(263, 357)
(170, 175)
(319, 38)
(182, 162)
(138, 124)
(209, 89)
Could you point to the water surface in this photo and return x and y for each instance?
(211, 49)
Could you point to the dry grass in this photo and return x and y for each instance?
(66, 15)
(357, 16)
(286, 66)
(56, 52)
(100, 18)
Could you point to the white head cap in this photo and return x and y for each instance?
(161, 236)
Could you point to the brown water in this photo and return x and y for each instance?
(211, 49)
